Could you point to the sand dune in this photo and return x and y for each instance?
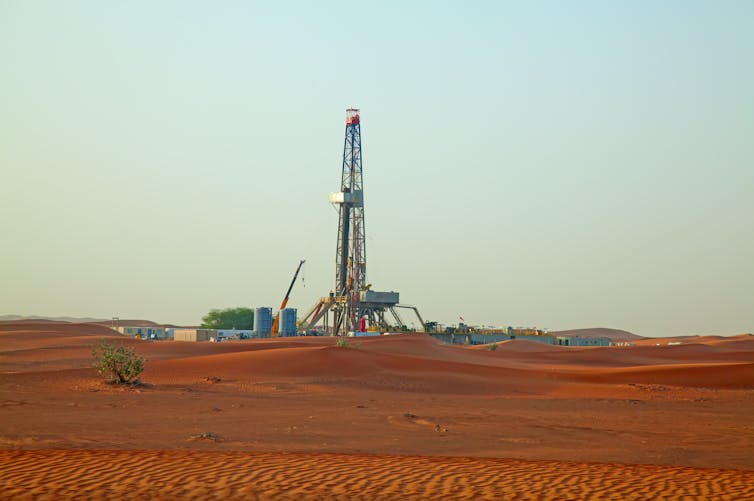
(38, 319)
(712, 375)
(742, 342)
(288, 361)
(452, 372)
(400, 417)
(223, 475)
(128, 322)
(692, 339)
(46, 329)
(21, 320)
(52, 346)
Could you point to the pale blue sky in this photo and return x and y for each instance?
(558, 164)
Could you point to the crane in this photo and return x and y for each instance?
(285, 299)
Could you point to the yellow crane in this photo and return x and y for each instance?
(285, 299)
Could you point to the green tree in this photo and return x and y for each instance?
(229, 318)
(117, 363)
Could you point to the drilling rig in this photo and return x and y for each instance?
(354, 306)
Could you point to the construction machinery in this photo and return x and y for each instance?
(354, 306)
(285, 299)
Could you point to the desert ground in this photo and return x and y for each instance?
(395, 417)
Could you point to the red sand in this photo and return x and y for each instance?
(405, 401)
(228, 475)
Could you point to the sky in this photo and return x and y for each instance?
(551, 164)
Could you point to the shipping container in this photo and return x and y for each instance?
(194, 335)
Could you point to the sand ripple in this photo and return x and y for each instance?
(89, 474)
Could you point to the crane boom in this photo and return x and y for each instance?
(285, 299)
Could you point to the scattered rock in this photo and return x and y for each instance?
(12, 403)
(650, 387)
(207, 435)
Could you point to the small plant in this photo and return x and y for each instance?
(341, 343)
(117, 363)
(493, 347)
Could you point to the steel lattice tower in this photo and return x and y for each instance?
(350, 260)
(355, 307)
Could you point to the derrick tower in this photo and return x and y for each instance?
(350, 254)
(354, 305)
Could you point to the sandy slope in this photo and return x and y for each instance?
(679, 406)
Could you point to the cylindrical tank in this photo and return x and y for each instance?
(263, 322)
(288, 322)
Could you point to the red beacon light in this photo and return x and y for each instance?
(352, 116)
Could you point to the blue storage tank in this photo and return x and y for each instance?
(288, 322)
(263, 322)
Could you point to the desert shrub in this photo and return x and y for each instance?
(117, 363)
(493, 347)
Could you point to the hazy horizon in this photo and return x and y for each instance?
(549, 165)
(10, 317)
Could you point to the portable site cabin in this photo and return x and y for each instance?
(194, 335)
(143, 332)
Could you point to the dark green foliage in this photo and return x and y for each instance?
(117, 363)
(229, 318)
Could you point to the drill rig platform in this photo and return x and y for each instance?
(352, 304)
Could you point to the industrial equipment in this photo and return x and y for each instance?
(354, 305)
(285, 299)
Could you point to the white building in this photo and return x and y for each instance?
(151, 332)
